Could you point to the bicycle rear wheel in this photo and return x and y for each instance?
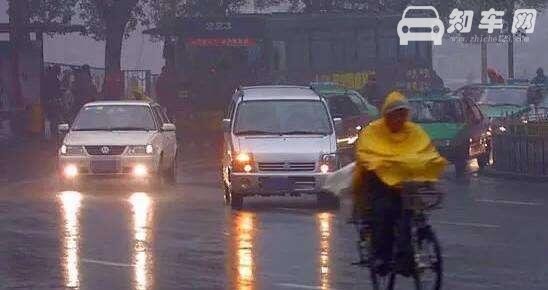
(428, 272)
(384, 282)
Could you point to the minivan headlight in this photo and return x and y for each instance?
(140, 150)
(70, 150)
(243, 163)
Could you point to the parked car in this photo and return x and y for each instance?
(354, 111)
(127, 140)
(457, 127)
(278, 140)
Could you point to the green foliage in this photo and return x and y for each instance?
(100, 16)
(51, 11)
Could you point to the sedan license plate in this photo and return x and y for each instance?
(104, 166)
(276, 184)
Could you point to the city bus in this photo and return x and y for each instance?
(211, 57)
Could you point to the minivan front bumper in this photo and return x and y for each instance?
(277, 183)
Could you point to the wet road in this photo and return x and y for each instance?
(494, 235)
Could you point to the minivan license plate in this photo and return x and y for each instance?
(276, 183)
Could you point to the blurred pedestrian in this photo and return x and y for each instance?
(540, 78)
(83, 90)
(166, 90)
(51, 98)
(370, 91)
(494, 76)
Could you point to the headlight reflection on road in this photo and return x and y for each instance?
(142, 219)
(324, 226)
(244, 235)
(70, 203)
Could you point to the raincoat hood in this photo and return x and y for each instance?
(408, 155)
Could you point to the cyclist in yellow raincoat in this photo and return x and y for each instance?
(390, 151)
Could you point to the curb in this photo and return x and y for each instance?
(512, 175)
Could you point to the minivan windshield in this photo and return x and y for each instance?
(282, 117)
(114, 117)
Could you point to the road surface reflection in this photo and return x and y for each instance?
(70, 206)
(243, 245)
(142, 225)
(324, 229)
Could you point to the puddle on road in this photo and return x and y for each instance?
(70, 206)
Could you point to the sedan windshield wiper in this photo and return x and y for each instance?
(256, 132)
(303, 133)
(91, 129)
(129, 129)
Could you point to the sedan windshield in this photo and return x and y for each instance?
(114, 117)
(282, 117)
(436, 112)
(504, 96)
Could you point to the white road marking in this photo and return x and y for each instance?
(106, 263)
(475, 225)
(510, 202)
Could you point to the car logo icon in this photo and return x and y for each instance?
(287, 166)
(105, 150)
(420, 23)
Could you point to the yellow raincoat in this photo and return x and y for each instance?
(408, 155)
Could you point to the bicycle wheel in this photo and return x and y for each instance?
(428, 270)
(382, 282)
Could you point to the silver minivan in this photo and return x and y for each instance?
(278, 140)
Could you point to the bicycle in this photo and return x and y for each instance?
(417, 199)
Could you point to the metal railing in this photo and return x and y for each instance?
(523, 147)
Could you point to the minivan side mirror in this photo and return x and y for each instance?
(168, 127)
(226, 124)
(337, 122)
(63, 128)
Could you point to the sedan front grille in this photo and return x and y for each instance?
(105, 150)
(286, 166)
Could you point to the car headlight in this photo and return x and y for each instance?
(328, 163)
(243, 162)
(141, 150)
(70, 150)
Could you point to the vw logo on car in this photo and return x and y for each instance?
(105, 150)
(420, 23)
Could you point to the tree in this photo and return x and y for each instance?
(111, 21)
